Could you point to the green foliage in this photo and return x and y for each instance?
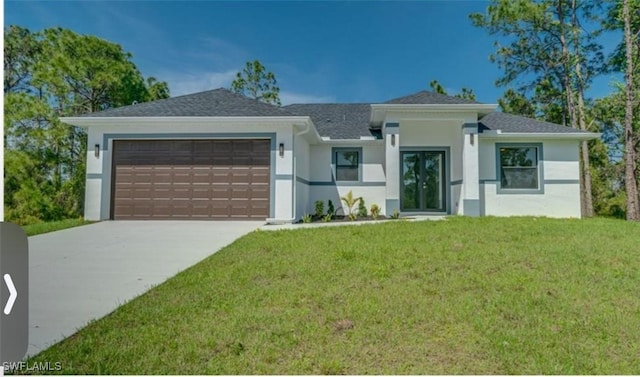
(530, 50)
(466, 93)
(331, 211)
(350, 201)
(306, 218)
(516, 103)
(609, 191)
(614, 21)
(255, 81)
(319, 206)
(48, 74)
(327, 218)
(396, 214)
(375, 211)
(362, 208)
(436, 87)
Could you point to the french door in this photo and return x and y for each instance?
(423, 186)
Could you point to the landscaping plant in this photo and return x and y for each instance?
(350, 201)
(362, 209)
(319, 208)
(375, 211)
(331, 211)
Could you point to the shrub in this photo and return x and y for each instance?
(396, 214)
(327, 218)
(362, 209)
(319, 208)
(331, 211)
(375, 211)
(306, 218)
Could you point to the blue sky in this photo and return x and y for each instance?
(334, 51)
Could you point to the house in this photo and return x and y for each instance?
(220, 155)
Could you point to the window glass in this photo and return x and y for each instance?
(519, 167)
(347, 165)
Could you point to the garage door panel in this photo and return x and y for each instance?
(260, 162)
(261, 147)
(260, 193)
(202, 193)
(243, 147)
(182, 179)
(222, 147)
(260, 176)
(163, 176)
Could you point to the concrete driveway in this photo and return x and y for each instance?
(84, 273)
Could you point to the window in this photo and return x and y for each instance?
(518, 166)
(347, 163)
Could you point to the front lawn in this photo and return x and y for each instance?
(465, 295)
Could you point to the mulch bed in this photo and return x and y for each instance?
(341, 218)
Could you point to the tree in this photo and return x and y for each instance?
(466, 93)
(255, 81)
(609, 185)
(550, 50)
(620, 111)
(48, 74)
(516, 103)
(437, 87)
(631, 184)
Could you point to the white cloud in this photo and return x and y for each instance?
(288, 98)
(218, 52)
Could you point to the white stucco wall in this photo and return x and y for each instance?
(301, 154)
(560, 180)
(322, 181)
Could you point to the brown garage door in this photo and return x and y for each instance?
(190, 179)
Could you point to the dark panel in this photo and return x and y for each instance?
(191, 179)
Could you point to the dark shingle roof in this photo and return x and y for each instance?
(515, 123)
(336, 120)
(429, 98)
(219, 102)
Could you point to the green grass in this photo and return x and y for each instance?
(41, 228)
(461, 296)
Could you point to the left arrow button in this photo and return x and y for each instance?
(13, 294)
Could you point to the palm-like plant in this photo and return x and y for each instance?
(350, 201)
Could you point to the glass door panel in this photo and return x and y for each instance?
(432, 182)
(411, 173)
(423, 181)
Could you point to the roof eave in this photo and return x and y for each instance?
(378, 111)
(498, 134)
(360, 141)
(102, 121)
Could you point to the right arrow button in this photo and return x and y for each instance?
(13, 294)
